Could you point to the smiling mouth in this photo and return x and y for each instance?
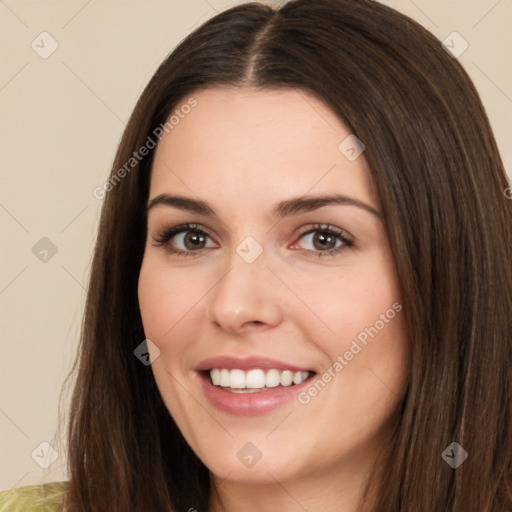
(255, 380)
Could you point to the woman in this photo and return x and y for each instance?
(301, 291)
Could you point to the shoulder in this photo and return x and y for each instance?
(34, 498)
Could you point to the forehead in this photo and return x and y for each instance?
(251, 144)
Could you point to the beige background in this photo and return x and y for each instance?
(61, 120)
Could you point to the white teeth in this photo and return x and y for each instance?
(215, 375)
(286, 378)
(299, 377)
(224, 378)
(255, 379)
(272, 379)
(237, 379)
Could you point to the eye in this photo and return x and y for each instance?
(184, 240)
(325, 240)
(187, 239)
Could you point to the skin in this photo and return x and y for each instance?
(242, 151)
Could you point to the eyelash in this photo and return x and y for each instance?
(167, 234)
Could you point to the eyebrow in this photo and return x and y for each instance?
(285, 208)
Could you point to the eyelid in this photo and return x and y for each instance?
(324, 227)
(347, 242)
(167, 233)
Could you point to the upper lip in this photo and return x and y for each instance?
(247, 363)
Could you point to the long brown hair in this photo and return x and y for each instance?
(441, 184)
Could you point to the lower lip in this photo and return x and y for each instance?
(250, 404)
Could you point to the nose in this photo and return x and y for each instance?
(245, 298)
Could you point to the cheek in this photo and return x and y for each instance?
(366, 366)
(154, 301)
(167, 298)
(348, 305)
(367, 330)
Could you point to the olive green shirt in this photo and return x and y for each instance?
(34, 498)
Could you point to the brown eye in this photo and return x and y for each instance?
(193, 240)
(325, 240)
(184, 239)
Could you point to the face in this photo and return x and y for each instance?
(267, 264)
